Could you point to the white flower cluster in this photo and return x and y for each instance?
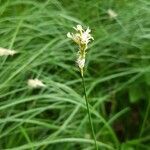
(6, 52)
(81, 38)
(112, 14)
(35, 83)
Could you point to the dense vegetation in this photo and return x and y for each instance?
(117, 75)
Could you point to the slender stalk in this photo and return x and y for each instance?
(88, 111)
(145, 116)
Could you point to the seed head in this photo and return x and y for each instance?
(35, 83)
(82, 38)
(112, 14)
(6, 52)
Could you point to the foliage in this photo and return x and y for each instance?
(117, 76)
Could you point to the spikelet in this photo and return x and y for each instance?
(112, 14)
(81, 38)
(35, 83)
(6, 52)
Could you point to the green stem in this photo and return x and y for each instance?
(88, 111)
(145, 116)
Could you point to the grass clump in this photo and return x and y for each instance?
(117, 78)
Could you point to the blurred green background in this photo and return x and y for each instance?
(117, 75)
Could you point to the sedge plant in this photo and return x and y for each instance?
(82, 38)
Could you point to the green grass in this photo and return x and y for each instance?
(117, 75)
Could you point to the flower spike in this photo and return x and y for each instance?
(81, 38)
